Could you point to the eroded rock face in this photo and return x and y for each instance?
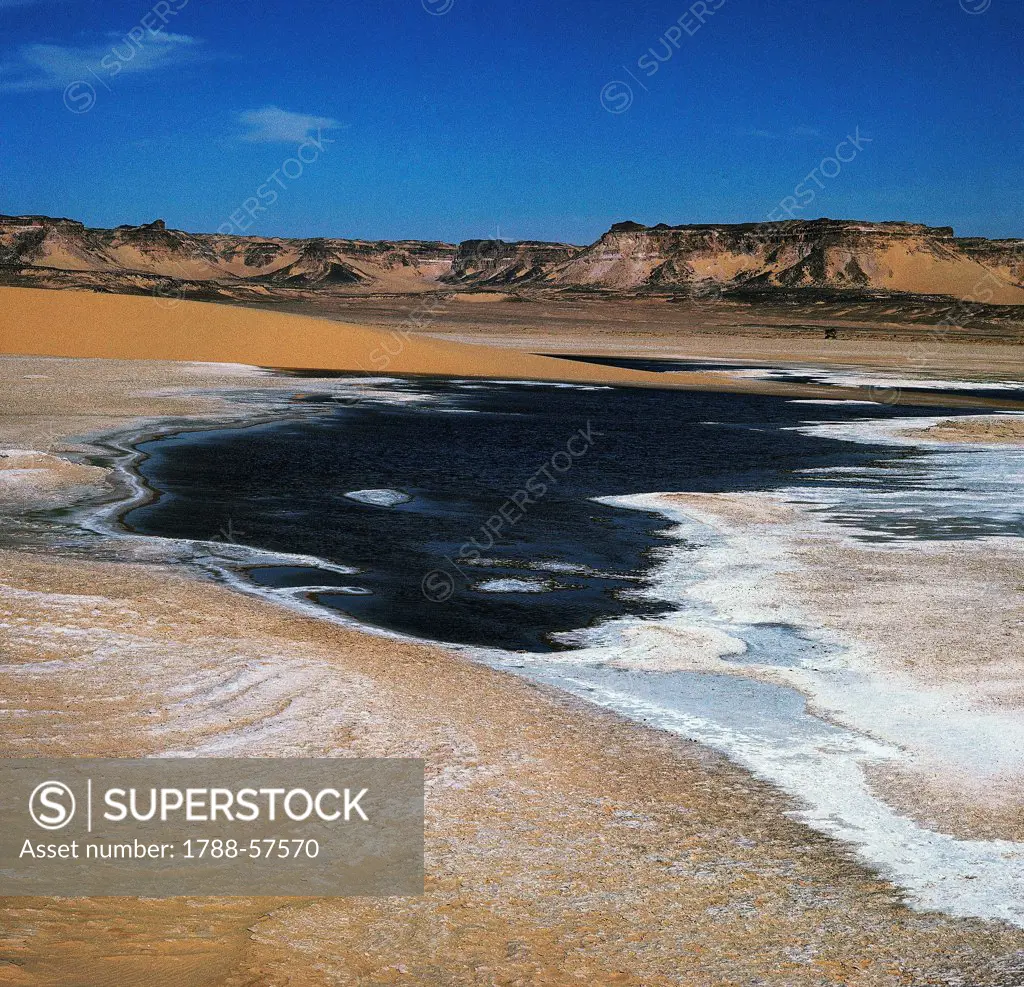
(807, 258)
(751, 258)
(1006, 257)
(497, 263)
(152, 249)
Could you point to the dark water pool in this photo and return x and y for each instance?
(793, 376)
(498, 541)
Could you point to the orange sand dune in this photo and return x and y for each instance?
(39, 322)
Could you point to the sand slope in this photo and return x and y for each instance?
(36, 322)
(39, 322)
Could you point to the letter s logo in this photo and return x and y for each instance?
(51, 805)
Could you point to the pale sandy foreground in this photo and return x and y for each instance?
(564, 845)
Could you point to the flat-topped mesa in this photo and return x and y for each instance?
(498, 263)
(851, 258)
(819, 227)
(41, 221)
(845, 256)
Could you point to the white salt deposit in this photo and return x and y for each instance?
(732, 666)
(514, 586)
(379, 498)
(877, 379)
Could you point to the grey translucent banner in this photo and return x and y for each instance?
(162, 827)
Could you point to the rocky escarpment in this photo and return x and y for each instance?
(153, 251)
(772, 258)
(808, 259)
(495, 263)
(1005, 257)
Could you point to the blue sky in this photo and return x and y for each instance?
(547, 119)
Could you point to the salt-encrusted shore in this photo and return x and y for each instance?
(911, 748)
(875, 679)
(563, 845)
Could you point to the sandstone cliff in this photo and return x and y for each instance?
(839, 256)
(65, 245)
(803, 259)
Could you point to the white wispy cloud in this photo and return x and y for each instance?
(40, 67)
(272, 125)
